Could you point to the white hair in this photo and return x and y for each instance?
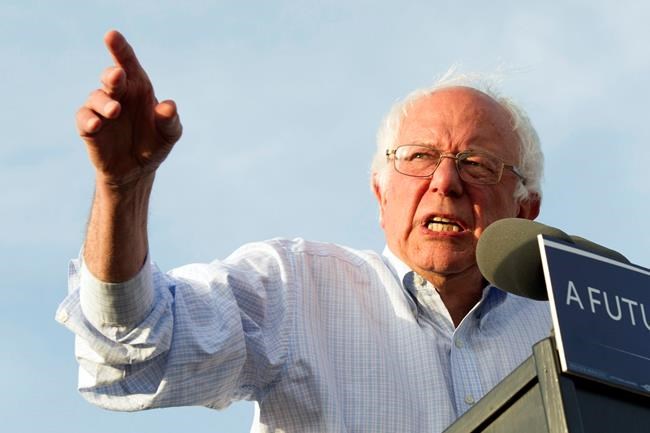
(531, 158)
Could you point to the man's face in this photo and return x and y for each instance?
(452, 120)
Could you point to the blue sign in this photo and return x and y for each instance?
(601, 315)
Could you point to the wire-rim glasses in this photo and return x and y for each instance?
(473, 166)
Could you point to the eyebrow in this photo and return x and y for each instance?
(472, 139)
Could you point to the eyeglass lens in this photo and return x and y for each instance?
(422, 161)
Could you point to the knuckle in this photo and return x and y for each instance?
(93, 94)
(112, 76)
(106, 73)
(96, 97)
(84, 114)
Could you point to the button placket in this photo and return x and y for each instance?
(465, 373)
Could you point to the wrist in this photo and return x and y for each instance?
(124, 205)
(116, 239)
(111, 187)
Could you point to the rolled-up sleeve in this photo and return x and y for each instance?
(109, 304)
(203, 334)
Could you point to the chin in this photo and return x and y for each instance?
(436, 266)
(445, 264)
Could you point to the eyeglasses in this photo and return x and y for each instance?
(473, 166)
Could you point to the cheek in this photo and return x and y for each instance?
(493, 206)
(395, 211)
(399, 205)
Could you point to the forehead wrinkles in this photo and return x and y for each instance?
(456, 116)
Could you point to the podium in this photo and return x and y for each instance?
(593, 374)
(538, 398)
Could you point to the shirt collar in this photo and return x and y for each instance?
(492, 296)
(398, 267)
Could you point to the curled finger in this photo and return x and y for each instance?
(102, 104)
(88, 122)
(113, 81)
(168, 121)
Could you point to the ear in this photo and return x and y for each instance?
(529, 207)
(379, 194)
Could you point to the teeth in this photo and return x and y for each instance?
(442, 220)
(440, 224)
(437, 227)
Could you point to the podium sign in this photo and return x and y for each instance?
(601, 315)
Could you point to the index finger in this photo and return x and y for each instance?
(121, 52)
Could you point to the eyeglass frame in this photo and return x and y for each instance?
(456, 158)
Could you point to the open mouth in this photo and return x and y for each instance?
(440, 224)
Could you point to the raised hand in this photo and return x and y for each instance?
(128, 134)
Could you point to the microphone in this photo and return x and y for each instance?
(508, 255)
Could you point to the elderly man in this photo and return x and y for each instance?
(323, 337)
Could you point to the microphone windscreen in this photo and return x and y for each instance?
(508, 256)
(599, 249)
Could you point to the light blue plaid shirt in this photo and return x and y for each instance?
(323, 337)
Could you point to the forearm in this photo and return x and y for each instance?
(116, 240)
(128, 134)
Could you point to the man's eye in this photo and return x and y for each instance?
(472, 163)
(422, 155)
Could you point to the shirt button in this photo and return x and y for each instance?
(469, 399)
(62, 317)
(458, 343)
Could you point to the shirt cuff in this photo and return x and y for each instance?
(116, 304)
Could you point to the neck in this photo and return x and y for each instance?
(459, 292)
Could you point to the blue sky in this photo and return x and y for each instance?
(280, 101)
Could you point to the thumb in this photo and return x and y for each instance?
(167, 121)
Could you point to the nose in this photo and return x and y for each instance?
(446, 179)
